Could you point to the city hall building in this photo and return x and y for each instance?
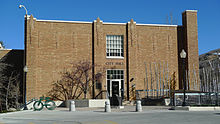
(131, 53)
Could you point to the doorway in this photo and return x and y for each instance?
(115, 86)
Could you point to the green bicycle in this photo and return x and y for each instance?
(50, 104)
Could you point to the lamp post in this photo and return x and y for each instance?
(183, 56)
(25, 69)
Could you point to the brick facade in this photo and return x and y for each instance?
(52, 45)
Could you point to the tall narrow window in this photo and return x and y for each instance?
(114, 46)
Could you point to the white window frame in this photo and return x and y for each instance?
(116, 43)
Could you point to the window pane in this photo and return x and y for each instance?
(114, 76)
(118, 71)
(122, 72)
(115, 71)
(118, 76)
(122, 77)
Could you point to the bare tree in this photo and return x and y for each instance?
(10, 91)
(171, 20)
(2, 46)
(14, 90)
(173, 81)
(75, 81)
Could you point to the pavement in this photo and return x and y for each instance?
(149, 115)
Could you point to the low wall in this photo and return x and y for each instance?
(190, 108)
(89, 103)
(97, 103)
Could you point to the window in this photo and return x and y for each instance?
(114, 46)
(115, 74)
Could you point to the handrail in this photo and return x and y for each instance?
(101, 93)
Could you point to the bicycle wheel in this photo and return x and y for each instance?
(38, 105)
(50, 105)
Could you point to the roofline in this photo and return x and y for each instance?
(106, 23)
(161, 25)
(190, 11)
(114, 23)
(63, 21)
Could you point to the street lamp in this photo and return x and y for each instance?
(183, 56)
(22, 6)
(25, 69)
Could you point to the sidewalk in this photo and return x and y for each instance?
(114, 109)
(150, 115)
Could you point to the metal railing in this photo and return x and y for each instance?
(198, 99)
(100, 94)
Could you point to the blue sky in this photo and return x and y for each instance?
(142, 11)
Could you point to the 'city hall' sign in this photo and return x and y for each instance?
(114, 63)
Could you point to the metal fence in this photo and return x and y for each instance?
(197, 99)
(193, 98)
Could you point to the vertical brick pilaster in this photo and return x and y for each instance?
(98, 44)
(131, 54)
(191, 46)
(30, 56)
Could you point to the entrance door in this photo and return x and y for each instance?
(115, 92)
(115, 88)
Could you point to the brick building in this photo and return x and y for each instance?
(131, 52)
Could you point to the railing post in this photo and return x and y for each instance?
(216, 101)
(199, 98)
(174, 99)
